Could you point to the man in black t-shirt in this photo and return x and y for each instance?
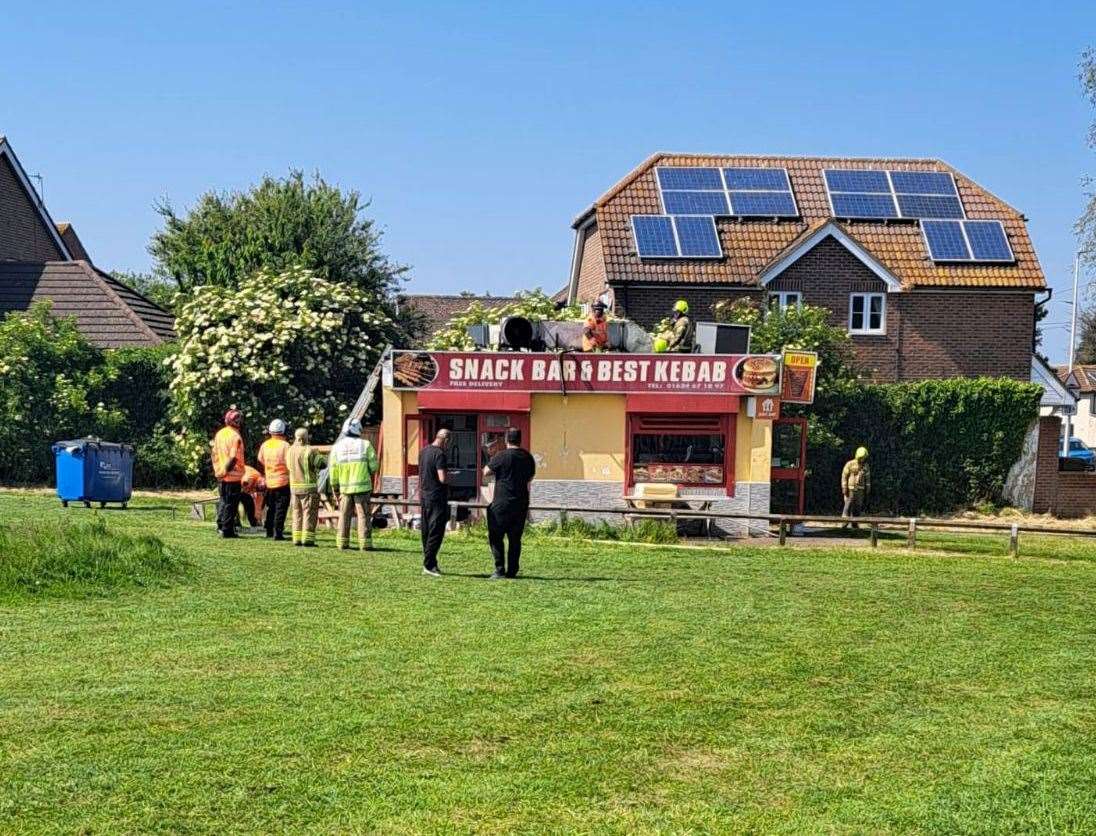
(513, 470)
(434, 494)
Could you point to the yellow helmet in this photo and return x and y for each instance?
(660, 344)
(861, 452)
(681, 306)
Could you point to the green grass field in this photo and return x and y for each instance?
(615, 688)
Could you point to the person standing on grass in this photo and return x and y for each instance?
(304, 464)
(434, 495)
(272, 463)
(227, 454)
(352, 464)
(513, 469)
(855, 485)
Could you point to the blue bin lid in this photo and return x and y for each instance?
(82, 443)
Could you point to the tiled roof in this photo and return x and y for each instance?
(439, 309)
(751, 244)
(1084, 375)
(107, 312)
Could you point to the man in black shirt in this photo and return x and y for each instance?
(513, 470)
(434, 494)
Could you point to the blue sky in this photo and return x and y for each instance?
(479, 131)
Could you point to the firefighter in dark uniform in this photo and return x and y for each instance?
(681, 338)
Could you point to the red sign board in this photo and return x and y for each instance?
(694, 374)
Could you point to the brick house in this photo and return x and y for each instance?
(43, 261)
(932, 275)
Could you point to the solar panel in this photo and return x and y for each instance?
(945, 240)
(682, 177)
(857, 180)
(923, 182)
(763, 204)
(654, 236)
(862, 205)
(697, 236)
(988, 241)
(757, 179)
(929, 206)
(694, 203)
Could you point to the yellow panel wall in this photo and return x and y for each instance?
(396, 405)
(578, 437)
(753, 449)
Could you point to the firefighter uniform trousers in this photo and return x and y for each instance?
(351, 468)
(355, 504)
(306, 509)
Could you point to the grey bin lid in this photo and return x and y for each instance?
(80, 444)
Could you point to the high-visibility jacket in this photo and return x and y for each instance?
(272, 458)
(681, 338)
(252, 481)
(304, 464)
(351, 466)
(228, 455)
(595, 336)
(855, 478)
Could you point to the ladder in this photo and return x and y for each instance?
(365, 399)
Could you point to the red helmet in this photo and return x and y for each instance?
(233, 418)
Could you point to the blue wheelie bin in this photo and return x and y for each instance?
(90, 470)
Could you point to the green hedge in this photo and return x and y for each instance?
(936, 445)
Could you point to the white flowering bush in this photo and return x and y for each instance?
(286, 344)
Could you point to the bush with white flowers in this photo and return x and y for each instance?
(289, 345)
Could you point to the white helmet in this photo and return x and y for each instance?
(354, 427)
(277, 427)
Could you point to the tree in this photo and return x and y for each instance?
(1086, 224)
(50, 383)
(290, 344)
(532, 304)
(1086, 345)
(806, 328)
(276, 225)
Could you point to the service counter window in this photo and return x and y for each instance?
(689, 450)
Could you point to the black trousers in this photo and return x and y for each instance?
(435, 514)
(228, 506)
(509, 525)
(247, 502)
(277, 506)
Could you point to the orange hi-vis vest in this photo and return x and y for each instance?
(595, 336)
(228, 455)
(272, 458)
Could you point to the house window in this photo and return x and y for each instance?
(683, 449)
(867, 313)
(781, 300)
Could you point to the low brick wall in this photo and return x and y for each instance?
(1076, 496)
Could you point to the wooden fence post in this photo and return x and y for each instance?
(783, 532)
(874, 536)
(911, 535)
(1014, 541)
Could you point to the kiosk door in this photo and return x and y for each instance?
(789, 466)
(473, 438)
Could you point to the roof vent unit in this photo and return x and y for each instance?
(516, 333)
(480, 335)
(722, 338)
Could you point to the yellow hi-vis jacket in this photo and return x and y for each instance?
(351, 466)
(228, 455)
(304, 464)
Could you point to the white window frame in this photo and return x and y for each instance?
(867, 329)
(783, 298)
